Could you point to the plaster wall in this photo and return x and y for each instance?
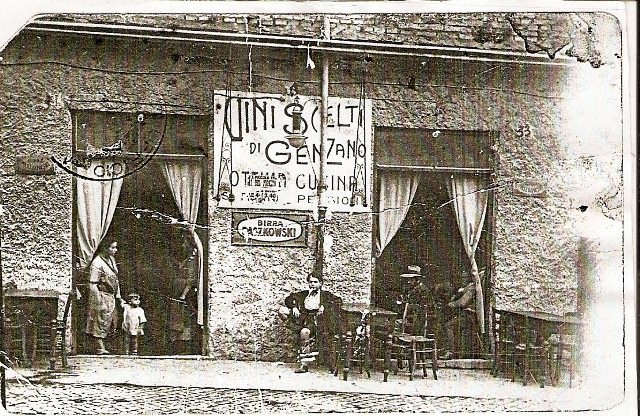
(43, 77)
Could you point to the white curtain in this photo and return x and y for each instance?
(397, 189)
(469, 200)
(185, 180)
(96, 201)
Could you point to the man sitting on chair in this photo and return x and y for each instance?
(460, 305)
(315, 313)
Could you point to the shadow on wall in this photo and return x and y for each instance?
(600, 299)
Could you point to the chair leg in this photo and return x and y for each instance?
(34, 351)
(553, 366)
(573, 356)
(543, 368)
(347, 358)
(367, 367)
(367, 360)
(434, 363)
(525, 373)
(387, 358)
(24, 342)
(497, 360)
(413, 359)
(424, 364)
(336, 354)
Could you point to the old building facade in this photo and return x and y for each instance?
(432, 96)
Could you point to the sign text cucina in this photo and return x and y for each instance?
(264, 171)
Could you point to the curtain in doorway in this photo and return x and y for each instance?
(469, 200)
(96, 202)
(185, 180)
(397, 189)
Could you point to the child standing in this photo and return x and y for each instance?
(133, 323)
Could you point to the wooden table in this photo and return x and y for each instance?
(381, 322)
(546, 316)
(533, 330)
(31, 324)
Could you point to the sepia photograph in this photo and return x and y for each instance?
(317, 207)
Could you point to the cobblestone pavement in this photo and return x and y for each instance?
(130, 399)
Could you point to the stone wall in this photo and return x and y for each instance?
(43, 76)
(245, 284)
(36, 210)
(533, 238)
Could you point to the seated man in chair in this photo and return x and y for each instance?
(461, 306)
(315, 313)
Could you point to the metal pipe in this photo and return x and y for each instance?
(324, 105)
(432, 168)
(346, 47)
(254, 37)
(3, 344)
(130, 155)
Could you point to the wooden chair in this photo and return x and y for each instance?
(504, 348)
(414, 343)
(530, 352)
(382, 324)
(564, 352)
(31, 334)
(321, 347)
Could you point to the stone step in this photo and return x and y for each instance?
(466, 364)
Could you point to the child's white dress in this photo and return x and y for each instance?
(132, 320)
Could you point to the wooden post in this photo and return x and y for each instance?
(337, 347)
(526, 350)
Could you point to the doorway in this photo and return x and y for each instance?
(429, 237)
(150, 249)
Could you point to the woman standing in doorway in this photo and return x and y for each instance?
(180, 312)
(104, 290)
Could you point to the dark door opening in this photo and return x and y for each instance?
(149, 252)
(429, 237)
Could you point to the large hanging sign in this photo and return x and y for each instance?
(255, 166)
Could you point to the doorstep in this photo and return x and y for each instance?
(466, 364)
(146, 357)
(460, 363)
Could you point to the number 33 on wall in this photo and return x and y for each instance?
(523, 130)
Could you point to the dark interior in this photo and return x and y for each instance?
(149, 249)
(429, 237)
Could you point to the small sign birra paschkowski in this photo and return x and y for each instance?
(264, 229)
(34, 165)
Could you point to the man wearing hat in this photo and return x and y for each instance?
(412, 271)
(414, 288)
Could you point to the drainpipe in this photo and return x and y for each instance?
(324, 103)
(3, 374)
